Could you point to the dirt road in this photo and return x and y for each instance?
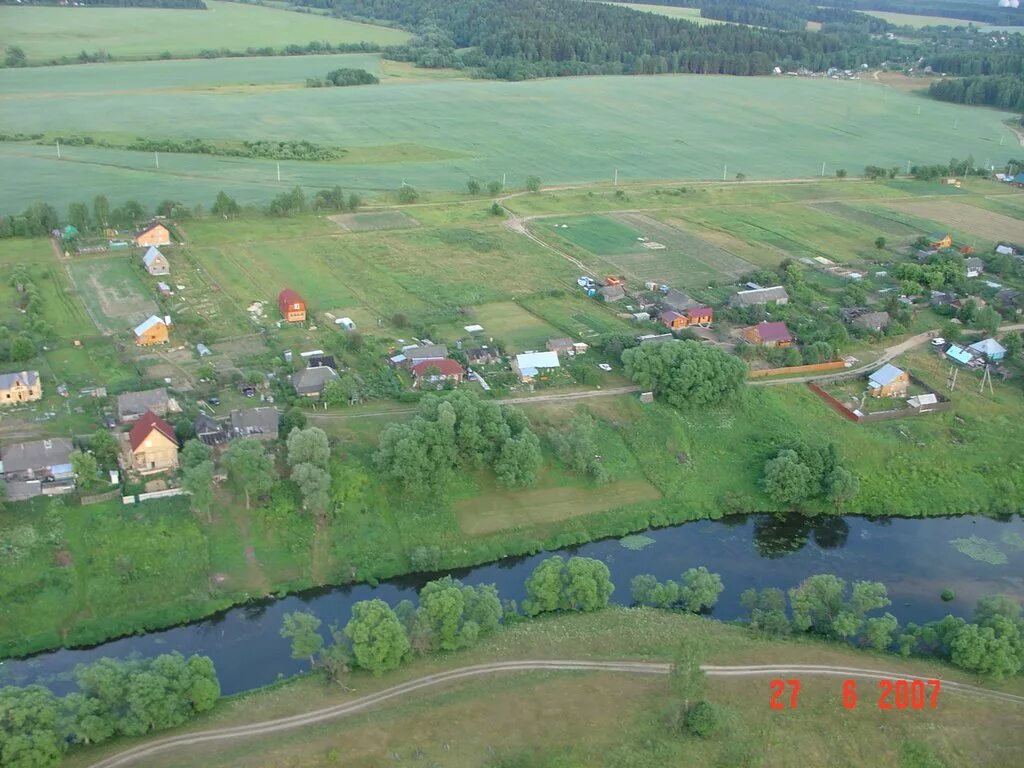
(130, 756)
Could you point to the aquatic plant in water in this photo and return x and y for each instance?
(636, 542)
(981, 549)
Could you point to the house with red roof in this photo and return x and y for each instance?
(292, 306)
(768, 334)
(434, 374)
(151, 445)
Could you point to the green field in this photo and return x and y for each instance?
(918, 21)
(683, 127)
(577, 315)
(49, 33)
(371, 222)
(686, 14)
(113, 292)
(601, 235)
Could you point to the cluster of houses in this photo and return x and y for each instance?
(943, 241)
(976, 355)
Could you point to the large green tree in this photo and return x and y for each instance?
(581, 584)
(29, 736)
(249, 467)
(103, 445)
(198, 481)
(302, 628)
(379, 642)
(686, 374)
(308, 446)
(821, 605)
(787, 480)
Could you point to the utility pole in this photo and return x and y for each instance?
(823, 169)
(503, 182)
(955, 124)
(725, 171)
(156, 156)
(986, 378)
(278, 171)
(616, 182)
(908, 166)
(58, 149)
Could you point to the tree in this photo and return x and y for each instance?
(879, 631)
(443, 605)
(841, 173)
(767, 610)
(841, 486)
(703, 720)
(700, 589)
(533, 183)
(249, 467)
(78, 216)
(687, 678)
(581, 584)
(880, 243)
(993, 607)
(991, 651)
(104, 447)
(519, 460)
(686, 373)
(198, 481)
(576, 446)
(787, 480)
(354, 202)
(293, 418)
(308, 446)
(194, 453)
(1013, 343)
(85, 468)
(225, 206)
(15, 57)
(29, 737)
(379, 642)
(407, 194)
(314, 484)
(988, 320)
(820, 605)
(302, 628)
(340, 391)
(22, 348)
(544, 588)
(473, 187)
(494, 188)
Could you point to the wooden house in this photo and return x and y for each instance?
(888, 381)
(434, 374)
(153, 234)
(293, 308)
(154, 330)
(768, 335)
(940, 240)
(678, 319)
(20, 387)
(152, 445)
(155, 262)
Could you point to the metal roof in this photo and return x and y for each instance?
(535, 360)
(885, 375)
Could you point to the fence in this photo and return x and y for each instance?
(857, 417)
(834, 404)
(153, 495)
(100, 497)
(811, 368)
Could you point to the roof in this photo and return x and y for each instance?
(776, 331)
(670, 314)
(427, 352)
(313, 379)
(146, 325)
(536, 360)
(872, 320)
(885, 375)
(318, 361)
(677, 300)
(145, 426)
(252, 421)
(151, 254)
(974, 263)
(36, 454)
(150, 227)
(959, 354)
(1005, 250)
(612, 292)
(936, 236)
(559, 343)
(481, 353)
(760, 296)
(445, 366)
(927, 399)
(137, 402)
(397, 359)
(28, 378)
(988, 347)
(288, 296)
(698, 311)
(205, 425)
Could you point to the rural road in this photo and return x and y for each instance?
(130, 756)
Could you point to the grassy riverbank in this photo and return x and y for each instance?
(607, 719)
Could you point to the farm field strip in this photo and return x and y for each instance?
(872, 220)
(965, 218)
(113, 294)
(370, 222)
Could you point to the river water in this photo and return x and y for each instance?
(914, 558)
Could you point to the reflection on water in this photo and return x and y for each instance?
(912, 557)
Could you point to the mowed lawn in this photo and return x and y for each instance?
(601, 235)
(564, 130)
(114, 294)
(48, 33)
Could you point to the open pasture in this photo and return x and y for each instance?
(510, 324)
(371, 222)
(563, 129)
(966, 218)
(51, 32)
(683, 14)
(114, 295)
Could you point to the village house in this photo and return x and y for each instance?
(528, 366)
(766, 334)
(311, 381)
(131, 405)
(291, 306)
(154, 233)
(260, 423)
(417, 354)
(20, 387)
(940, 240)
(1004, 249)
(562, 346)
(677, 301)
(482, 356)
(209, 431)
(973, 266)
(37, 467)
(150, 445)
(153, 330)
(990, 348)
(888, 381)
(434, 374)
(155, 262)
(861, 317)
(755, 296)
(1010, 300)
(678, 319)
(611, 293)
(943, 299)
(958, 354)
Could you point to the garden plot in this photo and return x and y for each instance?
(371, 222)
(965, 218)
(867, 218)
(113, 293)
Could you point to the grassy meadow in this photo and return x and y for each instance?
(47, 33)
(543, 720)
(564, 130)
(685, 14)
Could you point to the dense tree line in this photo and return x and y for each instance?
(342, 77)
(113, 698)
(1002, 91)
(686, 374)
(789, 15)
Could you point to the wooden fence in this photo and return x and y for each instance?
(100, 497)
(811, 368)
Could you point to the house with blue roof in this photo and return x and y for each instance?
(990, 348)
(959, 355)
(155, 262)
(888, 381)
(529, 365)
(153, 330)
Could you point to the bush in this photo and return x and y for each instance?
(703, 720)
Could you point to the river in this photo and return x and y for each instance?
(913, 557)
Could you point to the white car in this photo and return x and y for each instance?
(938, 341)
(604, 366)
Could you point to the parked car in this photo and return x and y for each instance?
(213, 400)
(249, 390)
(938, 341)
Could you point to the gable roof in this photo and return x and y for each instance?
(313, 379)
(669, 315)
(426, 352)
(27, 378)
(885, 375)
(612, 292)
(482, 353)
(36, 454)
(150, 227)
(759, 296)
(152, 255)
(146, 325)
(988, 347)
(677, 300)
(144, 426)
(560, 343)
(137, 402)
(774, 331)
(446, 367)
(974, 263)
(872, 320)
(252, 421)
(288, 296)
